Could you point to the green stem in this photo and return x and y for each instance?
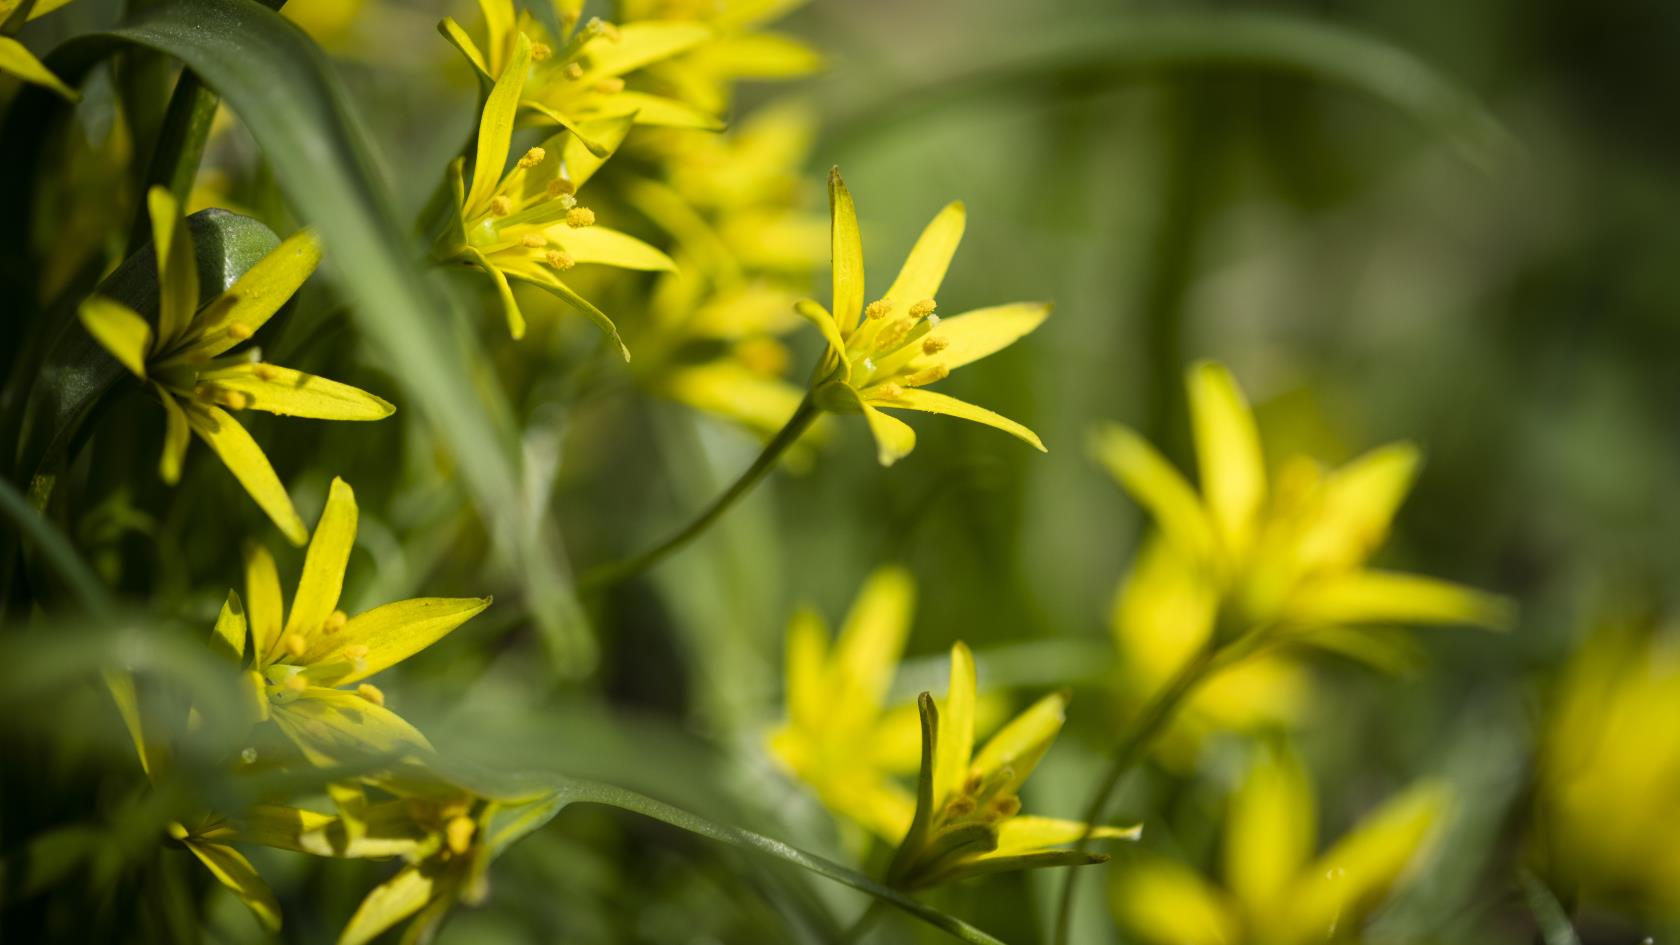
(180, 146)
(609, 574)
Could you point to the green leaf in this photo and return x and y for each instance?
(1549, 914)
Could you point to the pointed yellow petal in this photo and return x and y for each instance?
(510, 306)
(871, 641)
(229, 635)
(766, 56)
(121, 685)
(1167, 904)
(17, 60)
(1163, 614)
(499, 19)
(639, 44)
(292, 393)
(1024, 833)
(391, 902)
(927, 401)
(893, 437)
(263, 607)
(1020, 744)
(119, 330)
(177, 269)
(177, 434)
(233, 870)
(1356, 505)
(1363, 597)
(598, 244)
(819, 316)
(731, 390)
(588, 144)
(323, 565)
(394, 632)
(656, 110)
(546, 281)
(974, 335)
(458, 38)
(846, 244)
(254, 298)
(1270, 831)
(335, 726)
(495, 128)
(955, 745)
(1357, 874)
(924, 269)
(1232, 469)
(807, 680)
(1158, 487)
(245, 459)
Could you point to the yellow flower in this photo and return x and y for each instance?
(1276, 892)
(1286, 560)
(184, 358)
(16, 59)
(579, 77)
(1610, 775)
(968, 819)
(738, 49)
(883, 355)
(297, 660)
(527, 225)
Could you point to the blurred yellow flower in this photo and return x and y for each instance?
(527, 225)
(579, 76)
(968, 819)
(184, 358)
(1285, 562)
(739, 48)
(1610, 775)
(16, 59)
(883, 355)
(297, 660)
(1275, 891)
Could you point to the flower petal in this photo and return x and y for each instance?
(588, 145)
(955, 745)
(819, 316)
(290, 393)
(177, 434)
(1364, 597)
(871, 641)
(510, 305)
(233, 870)
(323, 565)
(984, 331)
(119, 330)
(924, 269)
(654, 110)
(638, 44)
(1271, 830)
(263, 603)
(1158, 487)
(846, 244)
(495, 128)
(545, 280)
(1355, 875)
(17, 60)
(1356, 504)
(893, 437)
(607, 247)
(927, 401)
(1021, 743)
(1168, 904)
(245, 459)
(394, 632)
(177, 269)
(457, 37)
(333, 727)
(254, 298)
(1025, 833)
(807, 696)
(1231, 467)
(391, 902)
(229, 635)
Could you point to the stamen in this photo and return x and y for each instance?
(933, 344)
(237, 399)
(894, 333)
(972, 785)
(501, 206)
(206, 393)
(541, 51)
(334, 622)
(923, 308)
(560, 259)
(295, 645)
(606, 29)
(610, 86)
(574, 71)
(532, 158)
(959, 807)
(568, 201)
(459, 833)
(266, 372)
(878, 308)
(580, 216)
(889, 391)
(560, 185)
(1006, 807)
(371, 693)
(928, 375)
(534, 240)
(239, 330)
(355, 652)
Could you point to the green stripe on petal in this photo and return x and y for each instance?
(245, 459)
(333, 727)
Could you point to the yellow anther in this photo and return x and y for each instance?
(933, 344)
(541, 51)
(1006, 806)
(532, 158)
(878, 308)
(355, 652)
(574, 71)
(580, 216)
(889, 391)
(459, 833)
(923, 308)
(534, 240)
(972, 785)
(560, 259)
(335, 622)
(266, 372)
(609, 31)
(237, 399)
(894, 333)
(239, 330)
(296, 683)
(560, 185)
(611, 85)
(295, 645)
(959, 807)
(371, 693)
(207, 393)
(501, 206)
(928, 375)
